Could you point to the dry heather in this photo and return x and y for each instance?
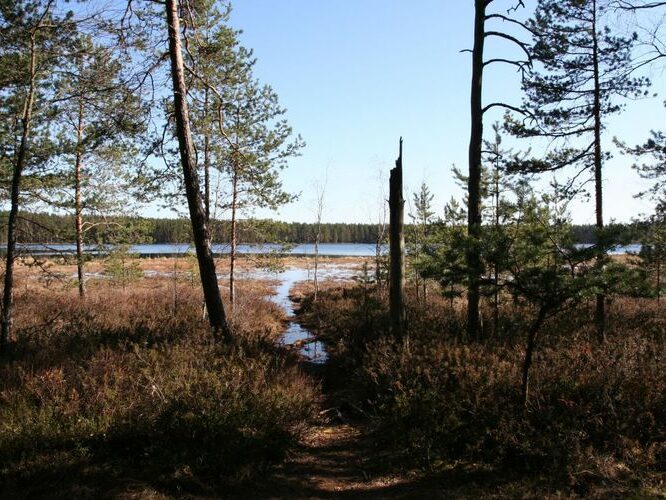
(596, 419)
(124, 393)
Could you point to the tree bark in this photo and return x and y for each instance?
(397, 249)
(496, 263)
(206, 152)
(211, 291)
(529, 352)
(78, 208)
(658, 278)
(26, 120)
(233, 237)
(600, 313)
(474, 178)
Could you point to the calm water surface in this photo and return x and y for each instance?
(313, 350)
(328, 249)
(325, 249)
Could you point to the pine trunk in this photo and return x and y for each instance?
(600, 313)
(78, 208)
(206, 152)
(529, 353)
(496, 263)
(26, 120)
(658, 279)
(233, 238)
(211, 291)
(474, 178)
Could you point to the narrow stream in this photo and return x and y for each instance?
(311, 349)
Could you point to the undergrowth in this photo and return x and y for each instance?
(124, 392)
(595, 423)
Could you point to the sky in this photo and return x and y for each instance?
(355, 76)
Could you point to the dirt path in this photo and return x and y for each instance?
(336, 459)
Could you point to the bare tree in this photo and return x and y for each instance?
(320, 191)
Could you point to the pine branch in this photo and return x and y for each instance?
(522, 45)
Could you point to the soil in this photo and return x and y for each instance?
(337, 458)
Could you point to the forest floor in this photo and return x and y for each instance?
(337, 458)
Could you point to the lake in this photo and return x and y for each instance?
(162, 249)
(167, 249)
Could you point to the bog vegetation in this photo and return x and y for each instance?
(497, 349)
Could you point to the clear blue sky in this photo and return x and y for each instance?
(356, 75)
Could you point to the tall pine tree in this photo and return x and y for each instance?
(580, 72)
(240, 125)
(34, 42)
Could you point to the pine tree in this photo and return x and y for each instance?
(580, 70)
(443, 253)
(99, 118)
(498, 213)
(33, 43)
(216, 313)
(482, 32)
(242, 130)
(421, 216)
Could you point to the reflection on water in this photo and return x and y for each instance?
(311, 349)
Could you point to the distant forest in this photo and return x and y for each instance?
(49, 228)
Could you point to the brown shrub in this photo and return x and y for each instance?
(125, 384)
(597, 414)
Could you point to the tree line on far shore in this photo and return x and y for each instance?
(53, 228)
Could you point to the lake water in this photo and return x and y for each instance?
(160, 249)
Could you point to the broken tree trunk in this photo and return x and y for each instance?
(397, 248)
(211, 291)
